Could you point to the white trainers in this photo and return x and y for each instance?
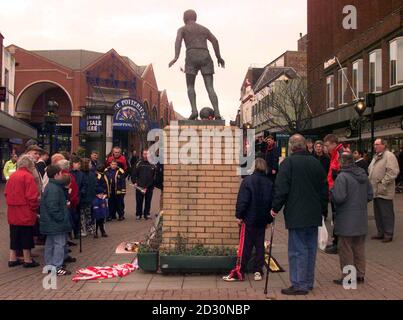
(258, 276)
(229, 278)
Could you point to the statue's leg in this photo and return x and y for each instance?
(190, 82)
(209, 83)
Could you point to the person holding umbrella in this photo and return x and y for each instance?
(253, 216)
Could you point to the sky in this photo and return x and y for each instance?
(249, 31)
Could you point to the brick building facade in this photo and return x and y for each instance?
(257, 79)
(371, 59)
(86, 82)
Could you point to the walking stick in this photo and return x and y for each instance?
(268, 264)
(79, 229)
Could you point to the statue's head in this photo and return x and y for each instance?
(189, 16)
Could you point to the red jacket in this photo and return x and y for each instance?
(22, 198)
(121, 162)
(73, 195)
(334, 168)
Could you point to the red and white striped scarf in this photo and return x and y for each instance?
(99, 273)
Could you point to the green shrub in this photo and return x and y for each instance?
(200, 250)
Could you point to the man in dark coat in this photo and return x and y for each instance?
(143, 177)
(351, 193)
(253, 215)
(42, 163)
(272, 158)
(321, 156)
(55, 220)
(324, 161)
(94, 161)
(301, 188)
(116, 183)
(360, 161)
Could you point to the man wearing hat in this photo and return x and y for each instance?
(34, 152)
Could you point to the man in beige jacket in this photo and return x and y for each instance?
(383, 171)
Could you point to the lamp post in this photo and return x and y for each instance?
(142, 128)
(360, 108)
(370, 102)
(51, 119)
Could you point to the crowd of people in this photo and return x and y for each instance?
(55, 199)
(312, 176)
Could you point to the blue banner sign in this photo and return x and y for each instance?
(128, 114)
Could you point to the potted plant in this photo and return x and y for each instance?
(197, 259)
(147, 258)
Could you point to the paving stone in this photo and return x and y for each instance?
(384, 278)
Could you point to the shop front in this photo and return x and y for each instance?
(13, 132)
(390, 129)
(344, 122)
(126, 125)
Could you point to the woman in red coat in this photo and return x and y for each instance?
(22, 197)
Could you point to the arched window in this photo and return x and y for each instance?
(146, 107)
(154, 114)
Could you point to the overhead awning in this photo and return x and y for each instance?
(11, 128)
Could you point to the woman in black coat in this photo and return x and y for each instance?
(253, 215)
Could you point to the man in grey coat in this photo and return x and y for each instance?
(383, 172)
(351, 193)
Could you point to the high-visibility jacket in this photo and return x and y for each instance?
(9, 168)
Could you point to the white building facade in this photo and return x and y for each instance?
(8, 81)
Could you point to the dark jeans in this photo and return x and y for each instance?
(302, 247)
(140, 197)
(116, 204)
(254, 237)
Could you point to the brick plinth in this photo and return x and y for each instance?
(199, 197)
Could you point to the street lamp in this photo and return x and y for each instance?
(370, 102)
(51, 118)
(142, 130)
(360, 108)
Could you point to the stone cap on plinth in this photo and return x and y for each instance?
(201, 122)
